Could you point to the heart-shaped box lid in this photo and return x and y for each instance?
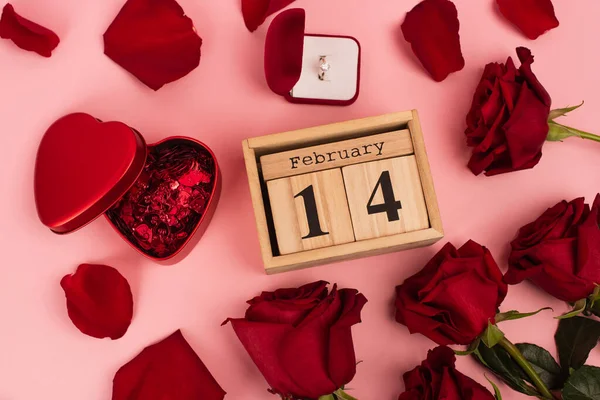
(284, 48)
(83, 167)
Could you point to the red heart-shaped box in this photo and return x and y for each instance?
(85, 167)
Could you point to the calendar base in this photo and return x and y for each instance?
(311, 226)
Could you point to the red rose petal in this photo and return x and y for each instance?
(532, 17)
(154, 40)
(256, 11)
(169, 369)
(99, 301)
(432, 30)
(27, 34)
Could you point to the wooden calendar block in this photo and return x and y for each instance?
(385, 197)
(310, 211)
(301, 152)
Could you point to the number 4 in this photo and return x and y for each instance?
(390, 204)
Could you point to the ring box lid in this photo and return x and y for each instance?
(291, 57)
(284, 47)
(83, 167)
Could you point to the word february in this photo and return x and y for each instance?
(332, 156)
(336, 154)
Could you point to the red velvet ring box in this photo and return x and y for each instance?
(157, 197)
(293, 60)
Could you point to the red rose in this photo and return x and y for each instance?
(301, 339)
(508, 121)
(437, 378)
(452, 299)
(560, 251)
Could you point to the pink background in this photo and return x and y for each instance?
(43, 356)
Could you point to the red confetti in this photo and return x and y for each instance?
(164, 206)
(431, 28)
(99, 301)
(256, 11)
(154, 40)
(169, 369)
(532, 17)
(27, 34)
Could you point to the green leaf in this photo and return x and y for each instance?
(514, 314)
(497, 393)
(470, 350)
(340, 394)
(559, 112)
(492, 335)
(543, 363)
(500, 363)
(327, 397)
(584, 384)
(578, 308)
(558, 132)
(575, 338)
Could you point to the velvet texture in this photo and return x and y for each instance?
(437, 378)
(99, 301)
(301, 340)
(559, 251)
(154, 40)
(431, 28)
(27, 34)
(508, 121)
(452, 299)
(532, 17)
(169, 369)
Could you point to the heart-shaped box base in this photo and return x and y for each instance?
(171, 199)
(159, 197)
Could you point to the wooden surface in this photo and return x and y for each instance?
(260, 146)
(291, 213)
(363, 184)
(336, 154)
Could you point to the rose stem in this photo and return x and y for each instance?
(523, 363)
(582, 134)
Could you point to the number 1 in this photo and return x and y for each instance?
(312, 216)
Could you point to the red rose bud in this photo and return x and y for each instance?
(169, 369)
(255, 12)
(99, 301)
(27, 34)
(508, 121)
(154, 40)
(452, 299)
(559, 251)
(432, 30)
(301, 340)
(438, 378)
(532, 17)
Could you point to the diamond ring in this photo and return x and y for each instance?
(324, 67)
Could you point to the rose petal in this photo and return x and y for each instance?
(432, 30)
(256, 11)
(154, 40)
(532, 17)
(588, 247)
(27, 34)
(99, 301)
(169, 369)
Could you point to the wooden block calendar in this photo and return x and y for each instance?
(342, 191)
